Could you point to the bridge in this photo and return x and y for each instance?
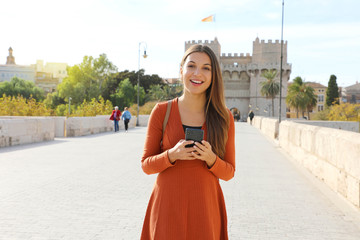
(92, 187)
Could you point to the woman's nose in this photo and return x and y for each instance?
(196, 71)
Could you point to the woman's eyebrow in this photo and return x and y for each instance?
(204, 64)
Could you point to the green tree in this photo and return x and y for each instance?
(53, 100)
(156, 92)
(301, 96)
(270, 88)
(18, 86)
(332, 92)
(310, 99)
(124, 96)
(293, 98)
(85, 80)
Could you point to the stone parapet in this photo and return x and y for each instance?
(332, 155)
(22, 130)
(268, 126)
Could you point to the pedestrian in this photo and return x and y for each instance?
(187, 201)
(115, 116)
(126, 116)
(251, 116)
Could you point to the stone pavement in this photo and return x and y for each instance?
(92, 187)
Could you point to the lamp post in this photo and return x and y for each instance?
(69, 105)
(281, 58)
(138, 81)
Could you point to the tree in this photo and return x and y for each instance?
(270, 88)
(332, 92)
(85, 80)
(310, 100)
(293, 98)
(18, 86)
(345, 112)
(124, 96)
(301, 96)
(156, 92)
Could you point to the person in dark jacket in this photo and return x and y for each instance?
(251, 116)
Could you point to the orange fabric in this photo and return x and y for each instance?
(187, 201)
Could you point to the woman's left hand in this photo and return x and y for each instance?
(204, 153)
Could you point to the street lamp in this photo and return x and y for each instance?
(281, 58)
(69, 105)
(138, 81)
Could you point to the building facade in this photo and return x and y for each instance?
(242, 76)
(352, 93)
(10, 70)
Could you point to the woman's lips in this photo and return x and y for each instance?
(196, 82)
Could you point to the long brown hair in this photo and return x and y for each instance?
(217, 115)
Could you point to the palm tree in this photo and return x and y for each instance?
(310, 99)
(270, 88)
(293, 98)
(301, 96)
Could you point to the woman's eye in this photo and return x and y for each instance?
(207, 69)
(191, 66)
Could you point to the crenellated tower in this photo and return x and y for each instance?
(214, 45)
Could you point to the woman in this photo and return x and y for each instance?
(126, 116)
(115, 116)
(187, 201)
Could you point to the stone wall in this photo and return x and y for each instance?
(342, 125)
(332, 155)
(22, 130)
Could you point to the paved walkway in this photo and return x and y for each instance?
(93, 188)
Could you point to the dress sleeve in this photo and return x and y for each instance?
(225, 168)
(153, 160)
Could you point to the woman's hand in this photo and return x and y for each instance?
(180, 152)
(204, 153)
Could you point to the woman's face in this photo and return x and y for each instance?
(196, 73)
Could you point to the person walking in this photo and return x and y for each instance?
(251, 116)
(187, 201)
(126, 116)
(115, 116)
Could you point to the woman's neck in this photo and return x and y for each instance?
(193, 103)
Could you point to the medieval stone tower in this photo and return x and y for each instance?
(242, 75)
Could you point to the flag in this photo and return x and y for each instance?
(210, 18)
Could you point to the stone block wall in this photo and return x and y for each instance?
(332, 155)
(22, 130)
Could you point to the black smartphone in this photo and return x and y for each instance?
(194, 134)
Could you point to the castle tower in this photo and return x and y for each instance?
(10, 58)
(214, 45)
(269, 52)
(267, 56)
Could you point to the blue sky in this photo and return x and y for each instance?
(323, 35)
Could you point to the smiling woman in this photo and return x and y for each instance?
(187, 200)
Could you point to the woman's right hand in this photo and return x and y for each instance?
(180, 152)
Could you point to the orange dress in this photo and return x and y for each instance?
(187, 201)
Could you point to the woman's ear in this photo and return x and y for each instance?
(180, 74)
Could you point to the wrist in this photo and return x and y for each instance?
(170, 156)
(212, 161)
